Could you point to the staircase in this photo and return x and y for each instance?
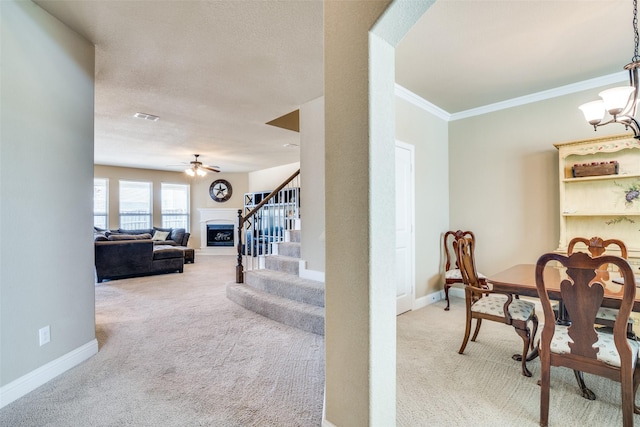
(279, 293)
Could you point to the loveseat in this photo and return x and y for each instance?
(131, 253)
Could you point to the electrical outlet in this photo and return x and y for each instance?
(45, 335)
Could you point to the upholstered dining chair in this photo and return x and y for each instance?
(452, 273)
(483, 303)
(581, 346)
(597, 247)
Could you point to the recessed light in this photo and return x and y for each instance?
(146, 116)
(291, 145)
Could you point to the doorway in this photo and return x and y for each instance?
(405, 251)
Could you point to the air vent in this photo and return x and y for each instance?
(146, 116)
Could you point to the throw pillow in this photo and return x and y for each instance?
(160, 235)
(177, 235)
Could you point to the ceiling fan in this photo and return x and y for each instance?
(197, 168)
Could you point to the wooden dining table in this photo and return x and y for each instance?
(521, 280)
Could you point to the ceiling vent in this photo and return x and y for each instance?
(146, 116)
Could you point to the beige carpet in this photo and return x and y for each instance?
(174, 351)
(485, 387)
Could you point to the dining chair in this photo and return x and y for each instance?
(484, 303)
(597, 247)
(580, 346)
(452, 273)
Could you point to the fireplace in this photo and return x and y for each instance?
(220, 235)
(218, 217)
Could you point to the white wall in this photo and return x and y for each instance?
(269, 179)
(359, 151)
(504, 177)
(429, 135)
(46, 176)
(312, 174)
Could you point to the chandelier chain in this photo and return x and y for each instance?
(636, 57)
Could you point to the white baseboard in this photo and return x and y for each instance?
(34, 379)
(455, 292)
(435, 297)
(318, 276)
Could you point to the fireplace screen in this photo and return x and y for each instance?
(220, 235)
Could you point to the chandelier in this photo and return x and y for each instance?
(619, 102)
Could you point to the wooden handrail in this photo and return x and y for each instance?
(242, 219)
(269, 197)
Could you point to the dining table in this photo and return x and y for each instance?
(520, 280)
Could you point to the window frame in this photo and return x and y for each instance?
(104, 215)
(186, 215)
(122, 214)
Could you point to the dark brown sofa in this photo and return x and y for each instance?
(116, 259)
(176, 237)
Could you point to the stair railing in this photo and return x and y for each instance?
(268, 223)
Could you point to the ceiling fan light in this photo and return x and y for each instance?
(200, 172)
(593, 111)
(189, 172)
(616, 99)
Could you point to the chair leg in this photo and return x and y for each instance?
(526, 338)
(545, 371)
(627, 402)
(467, 331)
(586, 392)
(636, 382)
(475, 333)
(534, 320)
(446, 295)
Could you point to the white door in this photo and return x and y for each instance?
(404, 227)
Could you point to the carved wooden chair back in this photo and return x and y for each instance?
(465, 247)
(597, 247)
(580, 346)
(452, 273)
(484, 303)
(450, 238)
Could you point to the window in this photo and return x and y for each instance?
(135, 205)
(175, 206)
(100, 202)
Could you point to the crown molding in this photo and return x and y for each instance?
(543, 95)
(405, 94)
(597, 82)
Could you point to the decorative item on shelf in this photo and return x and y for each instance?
(619, 102)
(631, 193)
(595, 169)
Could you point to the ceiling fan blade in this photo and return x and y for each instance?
(209, 168)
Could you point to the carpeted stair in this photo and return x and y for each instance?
(279, 293)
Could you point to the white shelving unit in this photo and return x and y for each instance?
(601, 205)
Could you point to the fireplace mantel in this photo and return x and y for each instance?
(217, 216)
